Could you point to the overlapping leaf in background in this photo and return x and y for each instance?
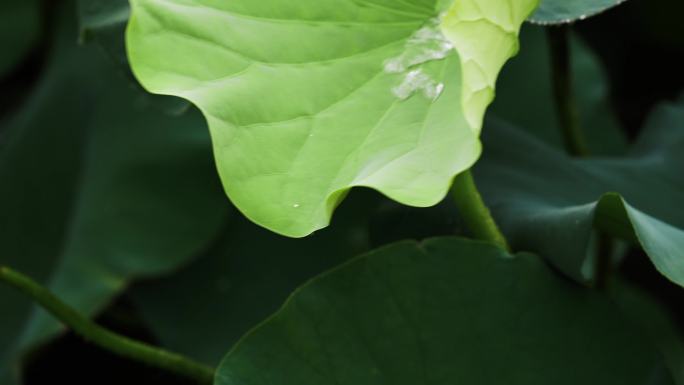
(20, 27)
(97, 190)
(566, 11)
(444, 311)
(243, 279)
(527, 101)
(656, 323)
(104, 23)
(549, 203)
(543, 198)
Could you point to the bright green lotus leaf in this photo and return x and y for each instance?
(567, 11)
(97, 189)
(550, 203)
(485, 35)
(445, 311)
(307, 99)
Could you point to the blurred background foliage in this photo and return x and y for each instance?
(88, 188)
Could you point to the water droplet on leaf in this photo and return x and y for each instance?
(425, 45)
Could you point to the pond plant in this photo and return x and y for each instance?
(329, 192)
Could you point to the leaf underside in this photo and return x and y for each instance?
(306, 100)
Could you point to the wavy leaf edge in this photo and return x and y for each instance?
(502, 19)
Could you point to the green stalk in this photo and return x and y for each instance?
(475, 213)
(108, 340)
(566, 106)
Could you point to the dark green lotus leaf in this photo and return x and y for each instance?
(249, 273)
(98, 15)
(103, 23)
(657, 322)
(528, 101)
(567, 11)
(97, 189)
(444, 311)
(549, 203)
(19, 31)
(243, 279)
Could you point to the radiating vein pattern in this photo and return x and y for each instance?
(299, 104)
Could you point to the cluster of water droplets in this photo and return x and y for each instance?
(425, 45)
